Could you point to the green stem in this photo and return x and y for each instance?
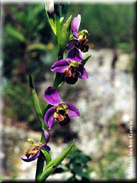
(40, 165)
(50, 168)
(58, 82)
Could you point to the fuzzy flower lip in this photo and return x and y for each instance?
(34, 152)
(74, 56)
(60, 111)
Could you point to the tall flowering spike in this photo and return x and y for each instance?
(71, 67)
(34, 151)
(79, 38)
(60, 111)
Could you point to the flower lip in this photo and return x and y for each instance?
(61, 114)
(72, 74)
(65, 120)
(32, 158)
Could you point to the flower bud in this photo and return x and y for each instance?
(50, 7)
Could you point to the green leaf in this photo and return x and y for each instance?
(50, 18)
(59, 81)
(64, 37)
(45, 109)
(54, 163)
(46, 154)
(52, 24)
(58, 29)
(36, 104)
(15, 33)
(77, 169)
(38, 46)
(85, 60)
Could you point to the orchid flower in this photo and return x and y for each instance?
(34, 152)
(71, 67)
(61, 111)
(79, 38)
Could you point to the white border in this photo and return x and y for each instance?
(1, 89)
(72, 1)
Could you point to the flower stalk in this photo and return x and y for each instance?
(68, 70)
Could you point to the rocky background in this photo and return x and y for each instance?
(106, 101)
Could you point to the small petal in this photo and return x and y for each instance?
(49, 117)
(46, 134)
(82, 70)
(52, 96)
(32, 158)
(75, 54)
(60, 66)
(73, 111)
(76, 23)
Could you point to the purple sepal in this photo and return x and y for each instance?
(46, 134)
(33, 157)
(49, 117)
(73, 111)
(60, 66)
(75, 24)
(82, 70)
(51, 96)
(75, 54)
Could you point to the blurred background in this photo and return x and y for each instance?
(105, 100)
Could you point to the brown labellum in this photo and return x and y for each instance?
(83, 45)
(63, 119)
(71, 75)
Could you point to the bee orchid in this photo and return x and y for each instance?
(71, 67)
(79, 38)
(35, 149)
(61, 111)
